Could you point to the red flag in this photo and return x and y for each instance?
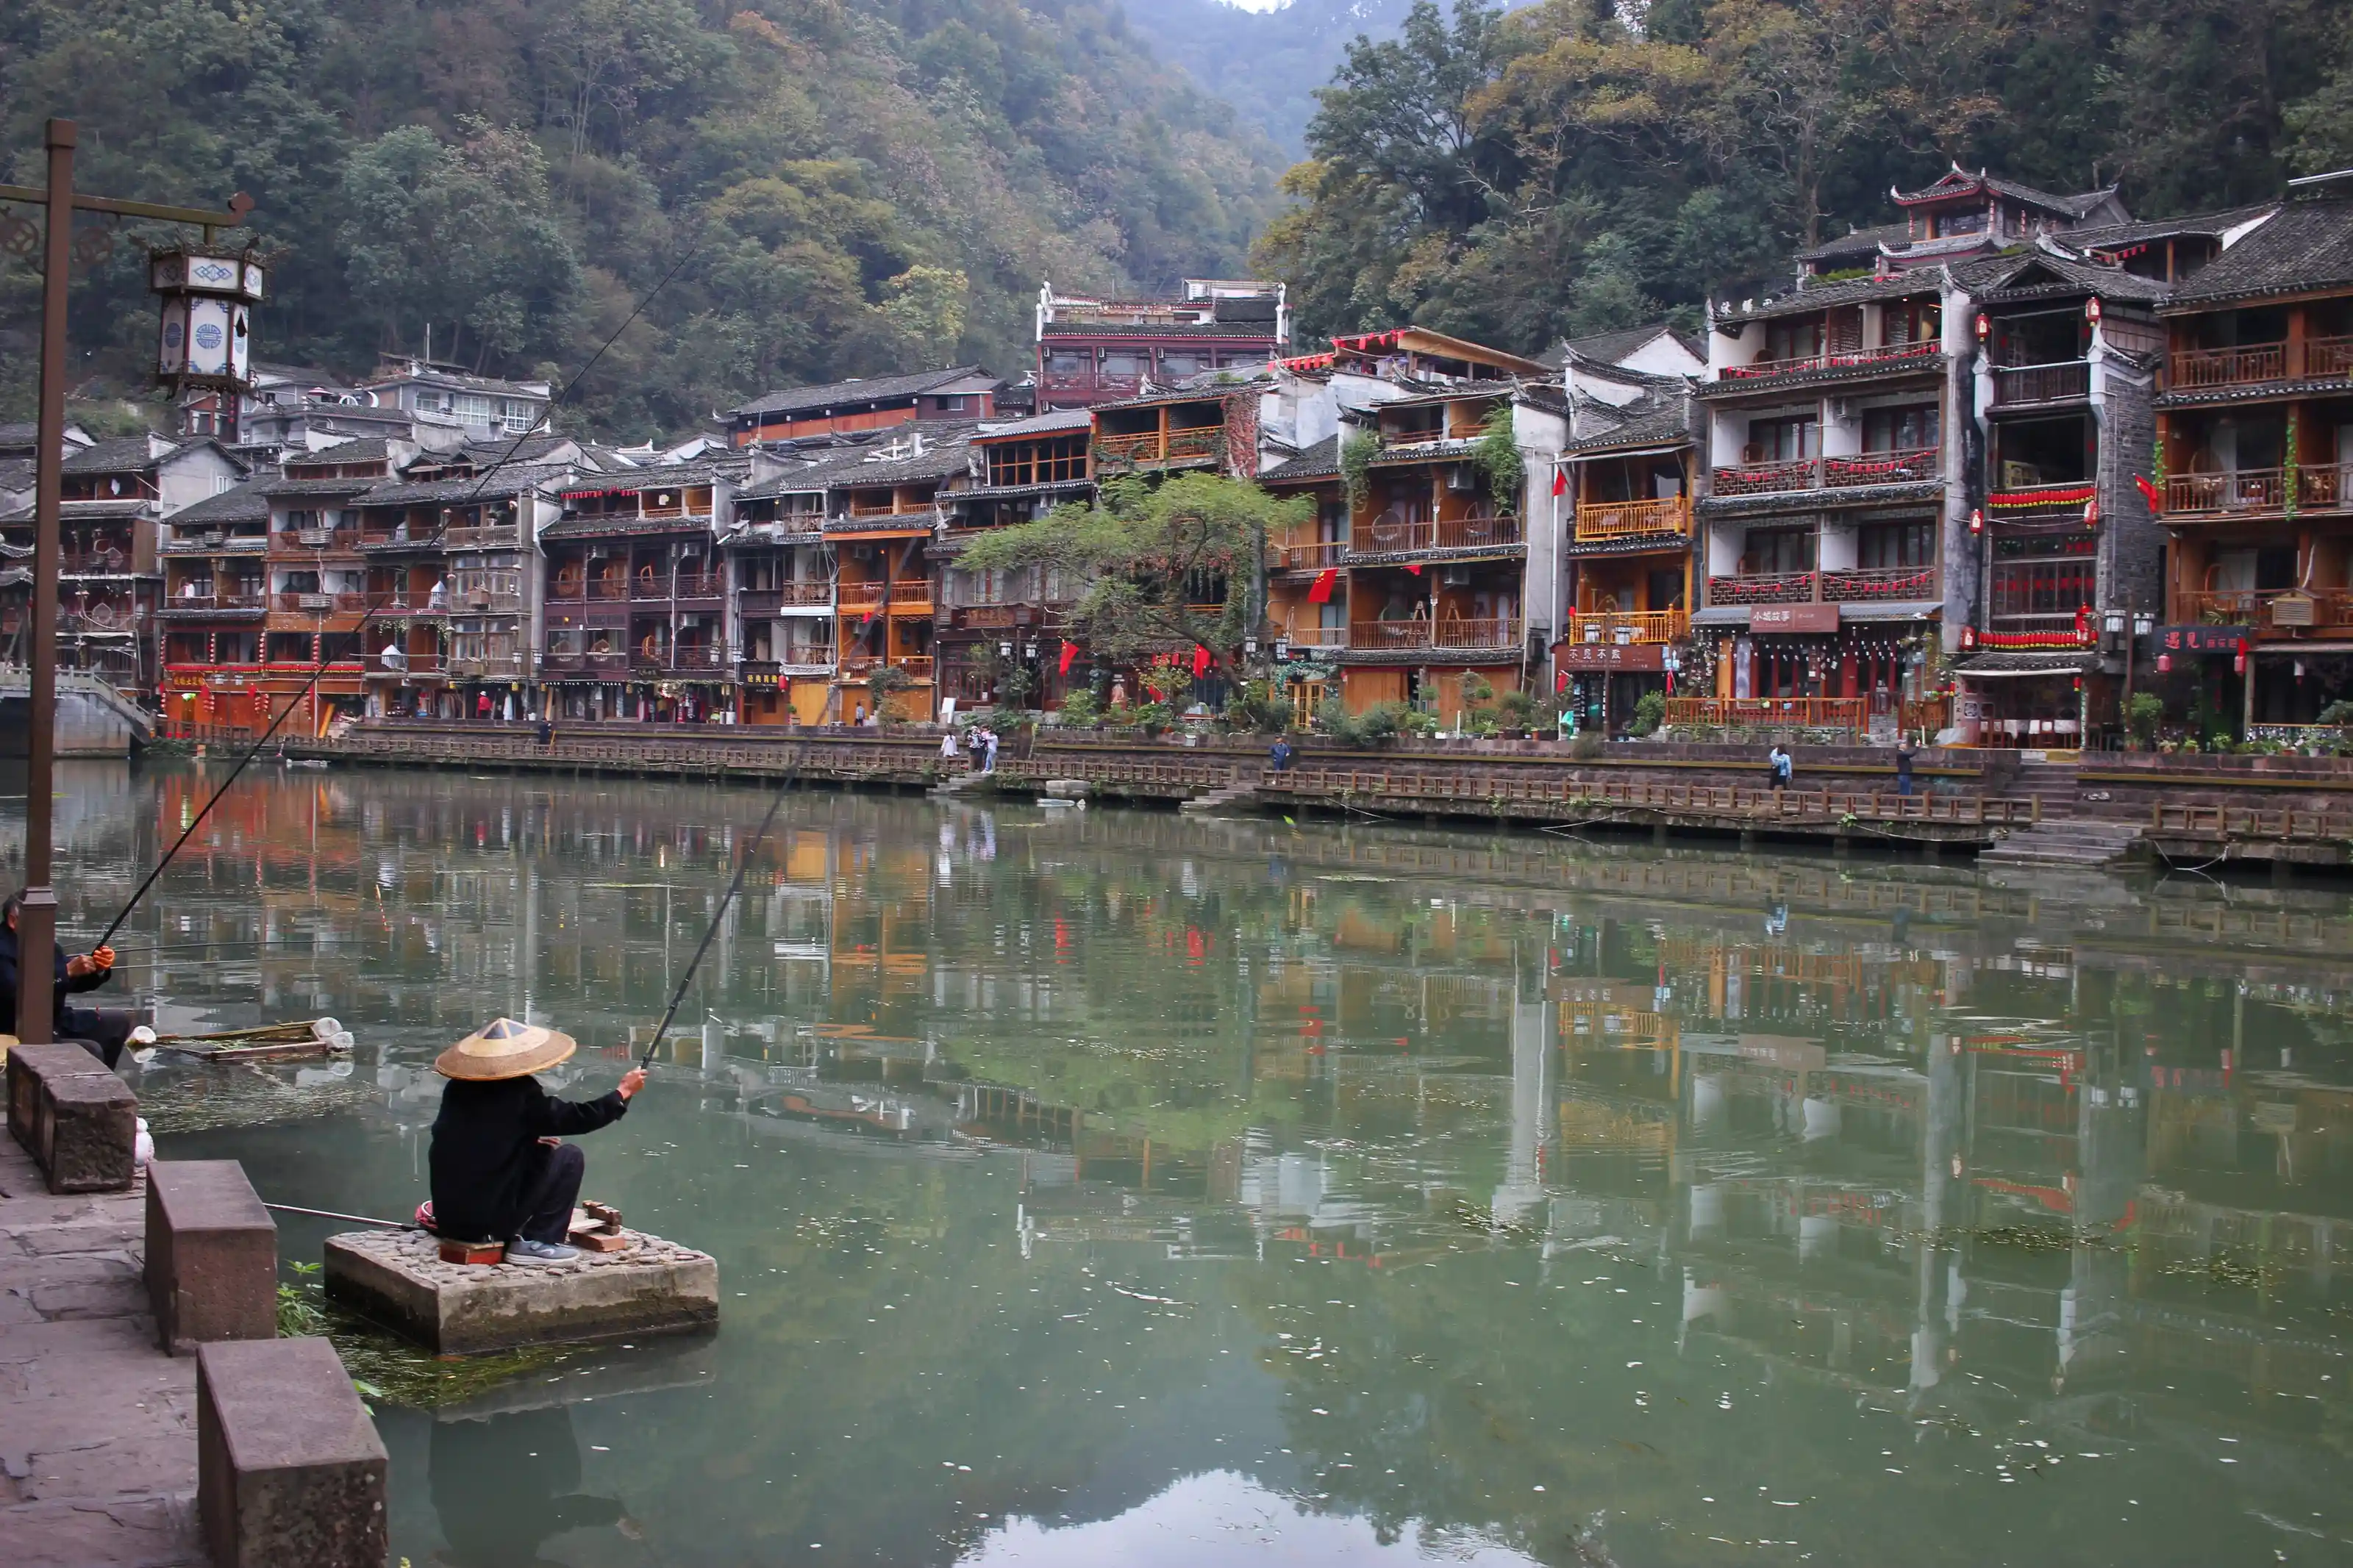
(2149, 492)
(1415, 568)
(1200, 662)
(1560, 481)
(1070, 652)
(1321, 593)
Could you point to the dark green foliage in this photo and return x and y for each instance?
(859, 185)
(1570, 168)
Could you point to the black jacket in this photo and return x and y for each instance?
(60, 985)
(483, 1142)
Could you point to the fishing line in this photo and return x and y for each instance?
(743, 864)
(124, 912)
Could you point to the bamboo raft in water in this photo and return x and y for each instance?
(263, 1042)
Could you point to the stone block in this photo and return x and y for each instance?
(211, 1255)
(288, 1466)
(397, 1278)
(79, 1121)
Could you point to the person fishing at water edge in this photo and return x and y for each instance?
(499, 1173)
(102, 1031)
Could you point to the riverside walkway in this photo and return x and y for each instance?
(2209, 810)
(98, 1425)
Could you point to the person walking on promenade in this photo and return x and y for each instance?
(1779, 764)
(1904, 752)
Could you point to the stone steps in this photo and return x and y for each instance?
(2068, 841)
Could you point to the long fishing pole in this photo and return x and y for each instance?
(352, 1219)
(734, 885)
(545, 414)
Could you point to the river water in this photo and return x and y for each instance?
(1108, 1187)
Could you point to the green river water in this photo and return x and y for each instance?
(1108, 1187)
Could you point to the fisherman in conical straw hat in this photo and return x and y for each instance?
(499, 1173)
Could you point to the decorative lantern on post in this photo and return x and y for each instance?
(205, 337)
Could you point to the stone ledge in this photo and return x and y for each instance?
(397, 1279)
(288, 1466)
(74, 1116)
(211, 1255)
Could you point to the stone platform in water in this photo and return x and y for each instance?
(396, 1278)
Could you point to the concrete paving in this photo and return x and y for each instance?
(98, 1426)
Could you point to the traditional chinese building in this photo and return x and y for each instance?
(1832, 509)
(636, 603)
(781, 575)
(1094, 350)
(860, 407)
(991, 622)
(2254, 440)
(215, 608)
(115, 496)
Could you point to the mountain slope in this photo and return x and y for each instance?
(832, 187)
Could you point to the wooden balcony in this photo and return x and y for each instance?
(703, 659)
(2250, 364)
(912, 597)
(2247, 491)
(615, 665)
(2265, 613)
(1762, 588)
(1772, 712)
(1149, 447)
(1392, 534)
(1767, 479)
(320, 604)
(1865, 585)
(1837, 359)
(2329, 358)
(1314, 556)
(860, 666)
(2324, 487)
(1318, 636)
(1607, 519)
(796, 596)
(587, 591)
(215, 604)
(2055, 383)
(1609, 626)
(1453, 635)
(1918, 466)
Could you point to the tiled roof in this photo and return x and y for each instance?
(1469, 389)
(117, 455)
(505, 482)
(17, 473)
(1062, 422)
(1862, 242)
(2107, 236)
(248, 502)
(1646, 427)
(596, 525)
(1320, 461)
(1824, 296)
(344, 487)
(2039, 272)
(874, 389)
(361, 449)
(946, 458)
(2309, 244)
(677, 476)
(1960, 182)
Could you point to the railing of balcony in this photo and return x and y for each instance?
(1812, 713)
(1913, 467)
(2270, 610)
(2248, 490)
(1314, 556)
(1392, 534)
(577, 662)
(1318, 636)
(1597, 520)
(2247, 365)
(1850, 585)
(255, 601)
(1448, 633)
(1839, 358)
(1764, 478)
(1606, 627)
(768, 601)
(1762, 588)
(2328, 357)
(2053, 382)
(860, 666)
(1147, 446)
(698, 585)
(2326, 486)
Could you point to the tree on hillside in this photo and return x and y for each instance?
(1153, 569)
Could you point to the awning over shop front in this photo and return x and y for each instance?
(2017, 666)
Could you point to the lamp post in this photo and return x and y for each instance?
(37, 916)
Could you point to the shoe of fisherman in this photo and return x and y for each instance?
(498, 1171)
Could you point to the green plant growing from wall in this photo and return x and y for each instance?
(2142, 714)
(1498, 456)
(1358, 450)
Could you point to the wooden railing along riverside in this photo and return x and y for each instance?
(1423, 787)
(1770, 712)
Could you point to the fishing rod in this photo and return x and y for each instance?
(349, 1218)
(734, 885)
(545, 414)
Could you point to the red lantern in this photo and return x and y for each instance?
(2092, 309)
(2238, 658)
(2165, 664)
(1985, 327)
(1977, 523)
(1969, 638)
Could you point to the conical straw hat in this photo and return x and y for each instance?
(505, 1049)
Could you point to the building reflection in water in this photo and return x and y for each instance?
(1887, 1126)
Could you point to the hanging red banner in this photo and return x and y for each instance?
(1321, 593)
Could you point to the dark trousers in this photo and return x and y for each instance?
(553, 1190)
(1902, 784)
(100, 1031)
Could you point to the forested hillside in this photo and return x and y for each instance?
(853, 185)
(1583, 164)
